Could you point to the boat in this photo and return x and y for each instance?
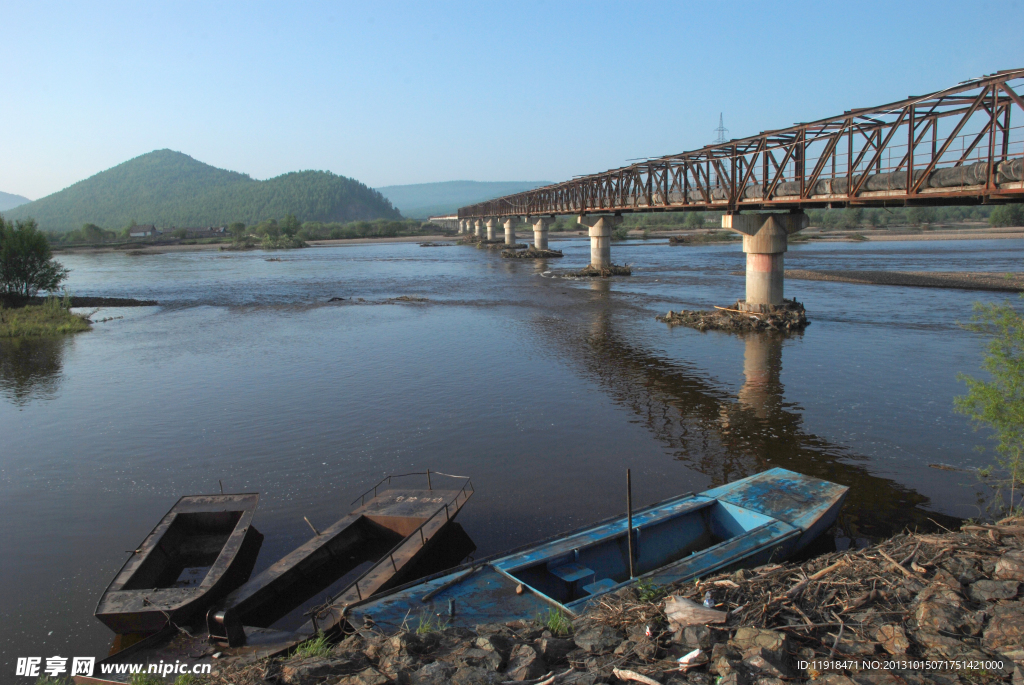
(203, 547)
(391, 528)
(759, 519)
(390, 537)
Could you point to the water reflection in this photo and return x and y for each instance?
(31, 368)
(727, 435)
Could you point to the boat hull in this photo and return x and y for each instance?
(753, 521)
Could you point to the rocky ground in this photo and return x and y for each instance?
(918, 608)
(786, 317)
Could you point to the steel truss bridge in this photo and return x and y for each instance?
(954, 147)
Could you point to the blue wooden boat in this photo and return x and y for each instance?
(763, 518)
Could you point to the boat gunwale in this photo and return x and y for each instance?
(248, 501)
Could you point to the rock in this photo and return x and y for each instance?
(768, 680)
(761, 662)
(497, 643)
(1010, 566)
(699, 678)
(964, 570)
(296, 671)
(944, 577)
(935, 642)
(624, 646)
(369, 676)
(856, 648)
(396, 666)
(991, 590)
(484, 659)
(937, 616)
(734, 678)
(834, 679)
(1006, 628)
(554, 649)
(468, 675)
(775, 643)
(876, 678)
(893, 639)
(698, 636)
(525, 664)
(578, 678)
(437, 673)
(598, 640)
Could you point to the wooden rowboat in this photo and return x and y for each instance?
(766, 517)
(203, 548)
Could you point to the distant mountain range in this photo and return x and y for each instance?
(421, 200)
(168, 188)
(9, 201)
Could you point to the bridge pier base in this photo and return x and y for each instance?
(600, 238)
(510, 231)
(540, 233)
(765, 240)
(490, 228)
(479, 226)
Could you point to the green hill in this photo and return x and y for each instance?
(168, 188)
(10, 201)
(421, 200)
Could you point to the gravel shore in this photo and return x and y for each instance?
(965, 280)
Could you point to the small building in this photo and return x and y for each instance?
(143, 231)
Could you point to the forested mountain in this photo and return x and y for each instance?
(421, 200)
(168, 188)
(9, 201)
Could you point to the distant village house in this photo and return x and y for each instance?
(143, 231)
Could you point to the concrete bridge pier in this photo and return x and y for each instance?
(463, 225)
(490, 223)
(540, 233)
(765, 240)
(600, 238)
(479, 225)
(510, 231)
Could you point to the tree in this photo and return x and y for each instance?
(999, 403)
(26, 262)
(694, 220)
(237, 230)
(1007, 215)
(180, 233)
(290, 225)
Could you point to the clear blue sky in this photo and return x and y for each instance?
(393, 93)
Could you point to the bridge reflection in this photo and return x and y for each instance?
(728, 435)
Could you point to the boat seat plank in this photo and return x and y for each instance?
(597, 587)
(572, 572)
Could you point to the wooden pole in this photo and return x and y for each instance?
(629, 521)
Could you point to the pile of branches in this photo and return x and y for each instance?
(789, 316)
(530, 253)
(591, 271)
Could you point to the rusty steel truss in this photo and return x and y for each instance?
(953, 147)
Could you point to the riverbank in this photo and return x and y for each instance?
(51, 317)
(965, 280)
(917, 608)
(145, 249)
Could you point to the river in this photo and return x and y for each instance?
(543, 389)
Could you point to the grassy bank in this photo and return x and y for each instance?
(52, 317)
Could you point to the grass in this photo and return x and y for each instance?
(188, 679)
(47, 680)
(144, 679)
(429, 623)
(646, 591)
(53, 317)
(318, 646)
(557, 622)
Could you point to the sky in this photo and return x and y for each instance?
(393, 93)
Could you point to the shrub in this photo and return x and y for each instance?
(26, 261)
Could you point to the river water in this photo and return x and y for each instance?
(543, 389)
